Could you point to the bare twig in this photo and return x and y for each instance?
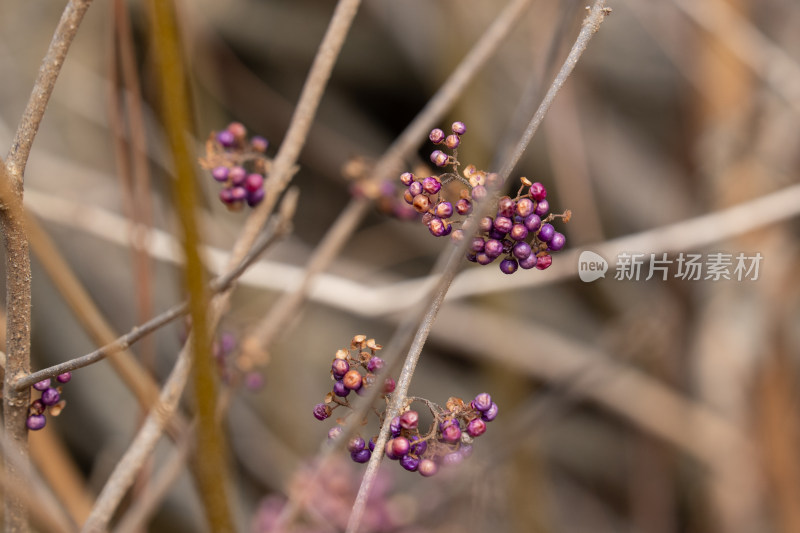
(45, 82)
(591, 24)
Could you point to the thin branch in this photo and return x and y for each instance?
(45, 82)
(283, 167)
(591, 24)
(220, 284)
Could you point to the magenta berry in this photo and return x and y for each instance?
(36, 422)
(542, 208)
(538, 192)
(339, 368)
(543, 261)
(505, 207)
(409, 420)
(451, 433)
(400, 446)
(253, 182)
(476, 427)
(237, 175)
(226, 138)
(431, 185)
(388, 385)
(375, 364)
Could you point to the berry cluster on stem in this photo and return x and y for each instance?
(520, 231)
(239, 163)
(49, 401)
(447, 441)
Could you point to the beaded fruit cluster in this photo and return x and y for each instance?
(239, 164)
(449, 437)
(49, 401)
(520, 232)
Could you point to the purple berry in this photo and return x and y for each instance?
(477, 244)
(226, 138)
(375, 364)
(253, 381)
(546, 232)
(356, 444)
(339, 389)
(463, 207)
(459, 128)
(482, 402)
(427, 468)
(476, 427)
(36, 422)
(542, 208)
(360, 457)
(505, 207)
(371, 444)
(532, 222)
(444, 210)
(439, 227)
(451, 433)
(42, 385)
(37, 407)
(537, 192)
(409, 420)
(452, 458)
(220, 173)
(472, 257)
(410, 463)
(486, 224)
(321, 411)
(557, 242)
(521, 250)
(431, 185)
(335, 432)
(518, 232)
(339, 368)
(490, 414)
(418, 446)
(394, 427)
(50, 396)
(436, 136)
(254, 197)
(415, 188)
(439, 158)
(493, 248)
(529, 262)
(508, 266)
(388, 385)
(524, 207)
(479, 192)
(483, 259)
(237, 175)
(239, 194)
(406, 178)
(503, 224)
(388, 450)
(452, 141)
(226, 195)
(259, 143)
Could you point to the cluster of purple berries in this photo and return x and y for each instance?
(353, 369)
(239, 164)
(448, 439)
(520, 231)
(49, 401)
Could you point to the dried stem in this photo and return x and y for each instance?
(283, 167)
(590, 26)
(43, 87)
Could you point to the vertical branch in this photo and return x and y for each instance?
(597, 14)
(210, 447)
